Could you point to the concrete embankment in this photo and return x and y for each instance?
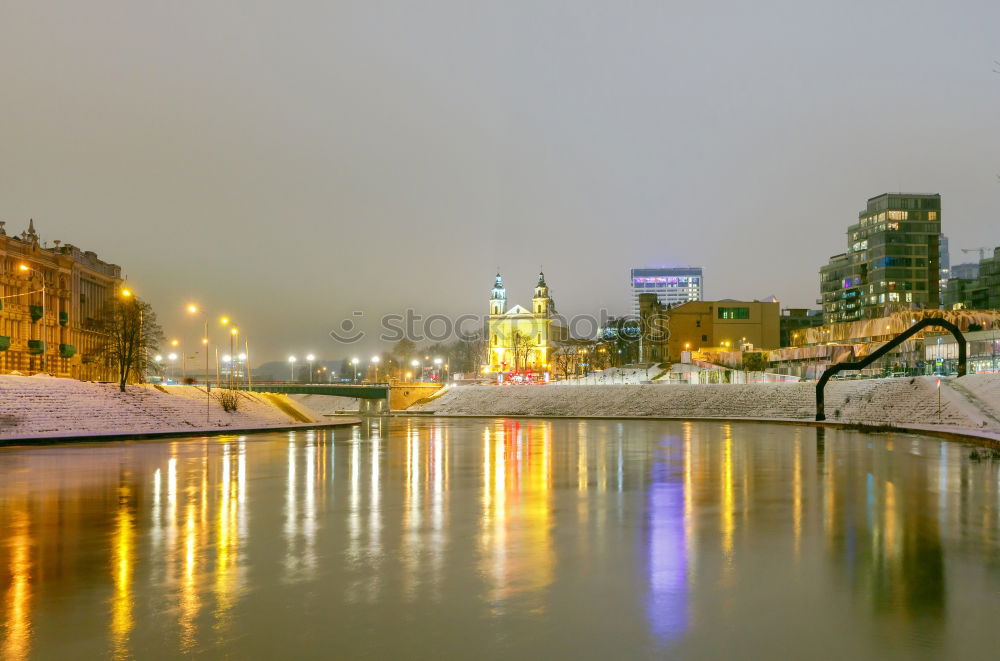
(971, 403)
(44, 407)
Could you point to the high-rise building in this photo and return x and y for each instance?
(892, 261)
(672, 286)
(944, 262)
(975, 288)
(967, 271)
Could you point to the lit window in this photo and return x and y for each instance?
(734, 313)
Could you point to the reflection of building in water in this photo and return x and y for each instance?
(666, 551)
(515, 539)
(882, 526)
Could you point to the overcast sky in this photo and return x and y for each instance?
(289, 162)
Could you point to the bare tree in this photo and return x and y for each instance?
(468, 353)
(521, 345)
(565, 358)
(131, 333)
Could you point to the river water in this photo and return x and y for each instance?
(490, 538)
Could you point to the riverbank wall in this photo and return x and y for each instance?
(968, 403)
(40, 407)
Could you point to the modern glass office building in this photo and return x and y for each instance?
(672, 286)
(892, 261)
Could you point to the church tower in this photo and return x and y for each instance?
(542, 303)
(498, 297)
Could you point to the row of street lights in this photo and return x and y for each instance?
(291, 366)
(230, 360)
(417, 366)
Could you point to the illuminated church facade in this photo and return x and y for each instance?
(520, 340)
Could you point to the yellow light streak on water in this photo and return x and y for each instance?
(727, 495)
(797, 497)
(17, 620)
(123, 550)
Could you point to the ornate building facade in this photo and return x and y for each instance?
(520, 340)
(50, 299)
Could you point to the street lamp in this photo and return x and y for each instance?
(310, 358)
(437, 367)
(177, 343)
(193, 310)
(291, 367)
(375, 360)
(354, 362)
(415, 363)
(41, 329)
(172, 357)
(233, 332)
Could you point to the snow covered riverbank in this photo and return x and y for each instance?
(45, 407)
(972, 402)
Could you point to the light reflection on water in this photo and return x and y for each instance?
(424, 537)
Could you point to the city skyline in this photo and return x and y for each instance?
(319, 175)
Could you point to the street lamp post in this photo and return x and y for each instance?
(233, 332)
(437, 368)
(354, 362)
(310, 358)
(127, 293)
(41, 329)
(375, 360)
(415, 364)
(193, 309)
(243, 361)
(291, 368)
(180, 347)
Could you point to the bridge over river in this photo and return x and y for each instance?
(373, 397)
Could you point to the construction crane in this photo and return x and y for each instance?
(981, 251)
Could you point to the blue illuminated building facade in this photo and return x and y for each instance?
(892, 261)
(672, 286)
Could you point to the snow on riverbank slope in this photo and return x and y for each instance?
(874, 401)
(45, 407)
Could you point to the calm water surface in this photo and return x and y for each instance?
(427, 538)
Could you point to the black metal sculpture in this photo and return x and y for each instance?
(886, 348)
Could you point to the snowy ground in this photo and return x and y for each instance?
(613, 375)
(45, 407)
(972, 402)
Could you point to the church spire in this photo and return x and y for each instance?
(498, 297)
(542, 302)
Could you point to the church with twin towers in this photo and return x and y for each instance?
(520, 340)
